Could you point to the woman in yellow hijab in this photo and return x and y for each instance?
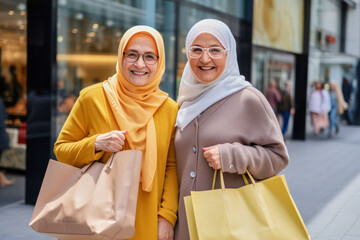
(129, 111)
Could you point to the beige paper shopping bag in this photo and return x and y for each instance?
(97, 201)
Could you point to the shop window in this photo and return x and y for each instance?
(13, 40)
(270, 65)
(235, 8)
(89, 33)
(326, 25)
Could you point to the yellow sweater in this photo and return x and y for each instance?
(91, 116)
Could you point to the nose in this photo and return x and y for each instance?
(140, 62)
(205, 57)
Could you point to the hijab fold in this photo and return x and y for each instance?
(134, 106)
(196, 96)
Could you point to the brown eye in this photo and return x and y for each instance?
(196, 50)
(215, 50)
(131, 55)
(150, 57)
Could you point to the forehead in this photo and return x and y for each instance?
(142, 42)
(207, 40)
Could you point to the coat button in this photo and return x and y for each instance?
(192, 174)
(231, 166)
(194, 149)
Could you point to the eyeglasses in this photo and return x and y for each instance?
(214, 52)
(148, 58)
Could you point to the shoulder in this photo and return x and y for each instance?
(92, 91)
(169, 107)
(168, 110)
(250, 95)
(252, 100)
(170, 104)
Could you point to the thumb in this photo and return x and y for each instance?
(124, 132)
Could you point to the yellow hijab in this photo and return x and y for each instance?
(134, 106)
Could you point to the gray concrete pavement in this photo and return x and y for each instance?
(323, 177)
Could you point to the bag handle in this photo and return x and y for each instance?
(222, 179)
(108, 165)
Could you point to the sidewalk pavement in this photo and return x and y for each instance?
(323, 178)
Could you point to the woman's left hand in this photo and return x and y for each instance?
(212, 156)
(165, 229)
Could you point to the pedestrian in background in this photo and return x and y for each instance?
(223, 122)
(4, 143)
(338, 105)
(273, 95)
(129, 111)
(346, 90)
(13, 91)
(286, 106)
(319, 106)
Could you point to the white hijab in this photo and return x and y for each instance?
(196, 96)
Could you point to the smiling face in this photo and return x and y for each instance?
(205, 68)
(139, 73)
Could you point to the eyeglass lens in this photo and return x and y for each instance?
(214, 52)
(148, 58)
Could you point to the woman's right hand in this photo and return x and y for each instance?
(110, 142)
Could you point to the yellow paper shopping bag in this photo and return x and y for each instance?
(261, 210)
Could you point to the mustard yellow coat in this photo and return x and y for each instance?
(91, 116)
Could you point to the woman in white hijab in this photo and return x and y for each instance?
(223, 122)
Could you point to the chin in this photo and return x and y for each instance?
(207, 79)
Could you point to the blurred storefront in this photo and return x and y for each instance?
(277, 37)
(334, 47)
(280, 51)
(13, 41)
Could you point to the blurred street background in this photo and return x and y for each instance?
(304, 55)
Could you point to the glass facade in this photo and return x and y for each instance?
(326, 25)
(88, 36)
(13, 59)
(89, 32)
(235, 8)
(269, 65)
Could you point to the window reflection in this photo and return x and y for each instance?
(268, 65)
(13, 81)
(89, 33)
(232, 7)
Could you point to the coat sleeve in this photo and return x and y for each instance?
(74, 145)
(169, 200)
(262, 151)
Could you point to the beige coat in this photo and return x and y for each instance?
(248, 135)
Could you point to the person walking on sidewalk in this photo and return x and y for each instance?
(347, 89)
(319, 106)
(129, 111)
(338, 105)
(223, 122)
(286, 107)
(273, 95)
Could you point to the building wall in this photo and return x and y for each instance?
(352, 38)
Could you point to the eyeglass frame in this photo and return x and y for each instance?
(143, 57)
(224, 51)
